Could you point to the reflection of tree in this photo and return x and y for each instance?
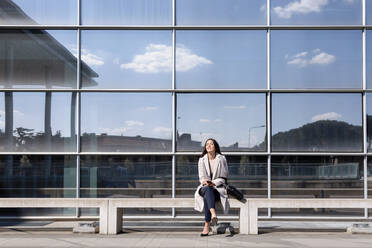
(322, 135)
(24, 137)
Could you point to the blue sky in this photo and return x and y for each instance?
(226, 117)
(316, 59)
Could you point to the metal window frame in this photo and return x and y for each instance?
(174, 91)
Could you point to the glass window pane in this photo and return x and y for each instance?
(317, 122)
(126, 59)
(316, 59)
(38, 176)
(247, 173)
(38, 12)
(127, 177)
(368, 12)
(37, 122)
(369, 121)
(220, 12)
(317, 177)
(38, 59)
(321, 12)
(221, 59)
(126, 122)
(236, 121)
(126, 12)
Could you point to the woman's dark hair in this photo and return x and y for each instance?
(216, 146)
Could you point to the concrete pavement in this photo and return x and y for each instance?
(183, 239)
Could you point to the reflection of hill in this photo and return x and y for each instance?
(325, 135)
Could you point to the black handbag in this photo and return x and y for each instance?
(234, 192)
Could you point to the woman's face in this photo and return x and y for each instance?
(209, 146)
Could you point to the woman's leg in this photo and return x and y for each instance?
(209, 197)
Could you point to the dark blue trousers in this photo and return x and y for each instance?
(210, 196)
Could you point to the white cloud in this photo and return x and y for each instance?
(149, 108)
(300, 7)
(316, 50)
(209, 121)
(326, 116)
(15, 113)
(204, 120)
(298, 61)
(304, 59)
(235, 107)
(186, 60)
(158, 58)
(134, 123)
(89, 58)
(323, 59)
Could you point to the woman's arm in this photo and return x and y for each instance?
(224, 174)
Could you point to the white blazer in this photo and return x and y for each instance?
(221, 171)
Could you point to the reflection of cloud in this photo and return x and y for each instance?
(158, 58)
(186, 60)
(300, 7)
(326, 116)
(235, 107)
(323, 59)
(209, 121)
(15, 113)
(302, 59)
(88, 57)
(134, 123)
(149, 108)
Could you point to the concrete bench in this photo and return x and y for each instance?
(100, 203)
(255, 204)
(116, 206)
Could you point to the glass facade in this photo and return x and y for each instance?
(116, 99)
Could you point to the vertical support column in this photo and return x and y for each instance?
(174, 129)
(252, 218)
(115, 218)
(364, 107)
(78, 110)
(244, 218)
(103, 217)
(268, 113)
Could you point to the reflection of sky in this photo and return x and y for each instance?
(294, 110)
(237, 59)
(112, 54)
(316, 12)
(127, 114)
(127, 12)
(225, 117)
(29, 110)
(50, 12)
(217, 12)
(316, 59)
(369, 58)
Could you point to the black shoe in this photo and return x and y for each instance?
(204, 234)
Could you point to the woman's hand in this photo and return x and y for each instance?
(205, 182)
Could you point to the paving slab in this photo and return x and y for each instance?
(13, 239)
